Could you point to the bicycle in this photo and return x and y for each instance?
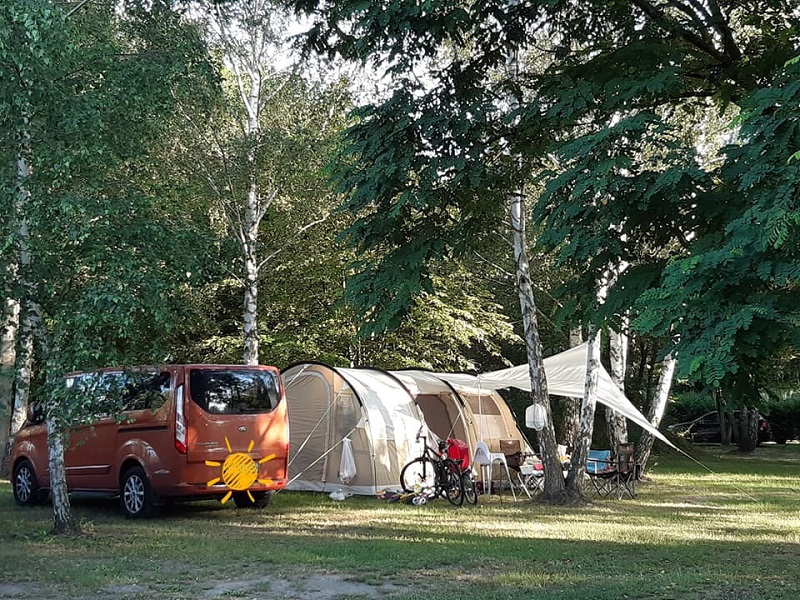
(435, 474)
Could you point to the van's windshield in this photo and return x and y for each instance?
(234, 391)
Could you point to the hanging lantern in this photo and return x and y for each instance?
(536, 417)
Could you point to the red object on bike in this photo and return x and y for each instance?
(458, 450)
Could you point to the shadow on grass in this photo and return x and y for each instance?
(653, 548)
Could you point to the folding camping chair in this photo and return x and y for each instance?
(627, 471)
(600, 470)
(613, 476)
(512, 450)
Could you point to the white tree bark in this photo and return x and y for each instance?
(8, 354)
(554, 487)
(23, 332)
(252, 220)
(244, 32)
(657, 408)
(581, 450)
(63, 521)
(616, 424)
(23, 373)
(32, 330)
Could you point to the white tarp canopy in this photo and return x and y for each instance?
(566, 376)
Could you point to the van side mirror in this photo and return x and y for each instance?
(35, 413)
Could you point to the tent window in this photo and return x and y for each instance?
(483, 405)
(347, 414)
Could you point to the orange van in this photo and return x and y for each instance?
(183, 432)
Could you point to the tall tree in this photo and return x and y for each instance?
(263, 149)
(637, 171)
(101, 258)
(429, 164)
(658, 406)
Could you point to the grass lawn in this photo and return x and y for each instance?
(733, 534)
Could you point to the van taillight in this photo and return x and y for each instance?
(180, 422)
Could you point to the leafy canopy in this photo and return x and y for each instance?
(603, 94)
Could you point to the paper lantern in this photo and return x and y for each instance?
(536, 417)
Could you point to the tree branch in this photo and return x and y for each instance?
(672, 26)
(296, 235)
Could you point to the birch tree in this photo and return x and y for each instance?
(580, 452)
(8, 338)
(23, 43)
(572, 406)
(554, 486)
(257, 160)
(95, 272)
(244, 31)
(657, 408)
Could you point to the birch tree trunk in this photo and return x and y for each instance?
(63, 521)
(581, 450)
(554, 488)
(656, 412)
(244, 32)
(572, 406)
(23, 373)
(616, 424)
(25, 330)
(251, 225)
(8, 342)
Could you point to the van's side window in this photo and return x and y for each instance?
(233, 391)
(146, 390)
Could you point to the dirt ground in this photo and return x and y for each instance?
(319, 586)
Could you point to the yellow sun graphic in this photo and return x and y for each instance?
(239, 471)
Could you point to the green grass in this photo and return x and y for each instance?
(733, 533)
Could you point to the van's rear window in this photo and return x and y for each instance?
(234, 391)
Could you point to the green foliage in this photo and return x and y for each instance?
(687, 405)
(114, 249)
(410, 169)
(783, 414)
(596, 111)
(734, 292)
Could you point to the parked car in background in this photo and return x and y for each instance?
(705, 428)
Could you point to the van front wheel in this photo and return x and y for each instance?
(135, 494)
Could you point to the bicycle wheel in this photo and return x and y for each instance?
(470, 489)
(450, 484)
(419, 475)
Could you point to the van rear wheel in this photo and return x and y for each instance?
(260, 499)
(135, 494)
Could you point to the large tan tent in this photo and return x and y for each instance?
(464, 412)
(370, 408)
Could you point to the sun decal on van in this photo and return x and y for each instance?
(239, 471)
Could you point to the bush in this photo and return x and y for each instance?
(783, 415)
(688, 405)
